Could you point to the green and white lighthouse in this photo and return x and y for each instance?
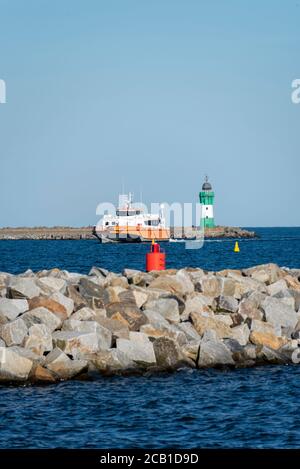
(206, 197)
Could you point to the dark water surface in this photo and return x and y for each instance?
(256, 407)
(280, 245)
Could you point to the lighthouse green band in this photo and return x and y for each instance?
(206, 197)
(207, 223)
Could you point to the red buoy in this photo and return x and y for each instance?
(155, 259)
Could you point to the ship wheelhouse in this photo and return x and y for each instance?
(129, 212)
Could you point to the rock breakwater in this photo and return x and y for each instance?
(71, 233)
(57, 325)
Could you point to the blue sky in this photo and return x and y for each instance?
(153, 94)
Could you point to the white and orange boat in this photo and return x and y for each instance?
(131, 225)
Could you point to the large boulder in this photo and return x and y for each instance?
(229, 272)
(167, 307)
(266, 339)
(4, 278)
(23, 352)
(228, 286)
(136, 277)
(111, 361)
(117, 328)
(249, 352)
(48, 303)
(62, 366)
(117, 280)
(170, 331)
(39, 339)
(84, 314)
(102, 282)
(64, 301)
(196, 303)
(14, 332)
(261, 276)
(287, 297)
(138, 349)
(20, 287)
(189, 331)
(256, 297)
(183, 277)
(246, 285)
(248, 309)
(276, 287)
(278, 313)
(156, 294)
(13, 366)
(211, 286)
(96, 295)
(265, 354)
(50, 285)
(191, 350)
(292, 282)
(112, 295)
(290, 351)
(196, 274)
(214, 353)
(140, 297)
(11, 309)
(39, 374)
(72, 292)
(72, 325)
(99, 272)
(264, 327)
(227, 304)
(104, 334)
(202, 324)
(127, 313)
(168, 283)
(267, 273)
(42, 315)
(237, 319)
(125, 296)
(76, 344)
(155, 318)
(129, 273)
(168, 354)
(241, 334)
(226, 318)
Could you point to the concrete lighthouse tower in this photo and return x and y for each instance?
(206, 197)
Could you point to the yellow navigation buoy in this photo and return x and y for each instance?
(236, 247)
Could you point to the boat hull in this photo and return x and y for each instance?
(132, 236)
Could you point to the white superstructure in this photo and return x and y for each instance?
(127, 215)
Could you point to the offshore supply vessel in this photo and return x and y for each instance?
(131, 224)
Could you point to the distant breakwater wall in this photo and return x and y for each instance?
(57, 325)
(63, 233)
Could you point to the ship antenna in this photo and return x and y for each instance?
(141, 195)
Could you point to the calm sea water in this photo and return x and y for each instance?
(255, 408)
(280, 245)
